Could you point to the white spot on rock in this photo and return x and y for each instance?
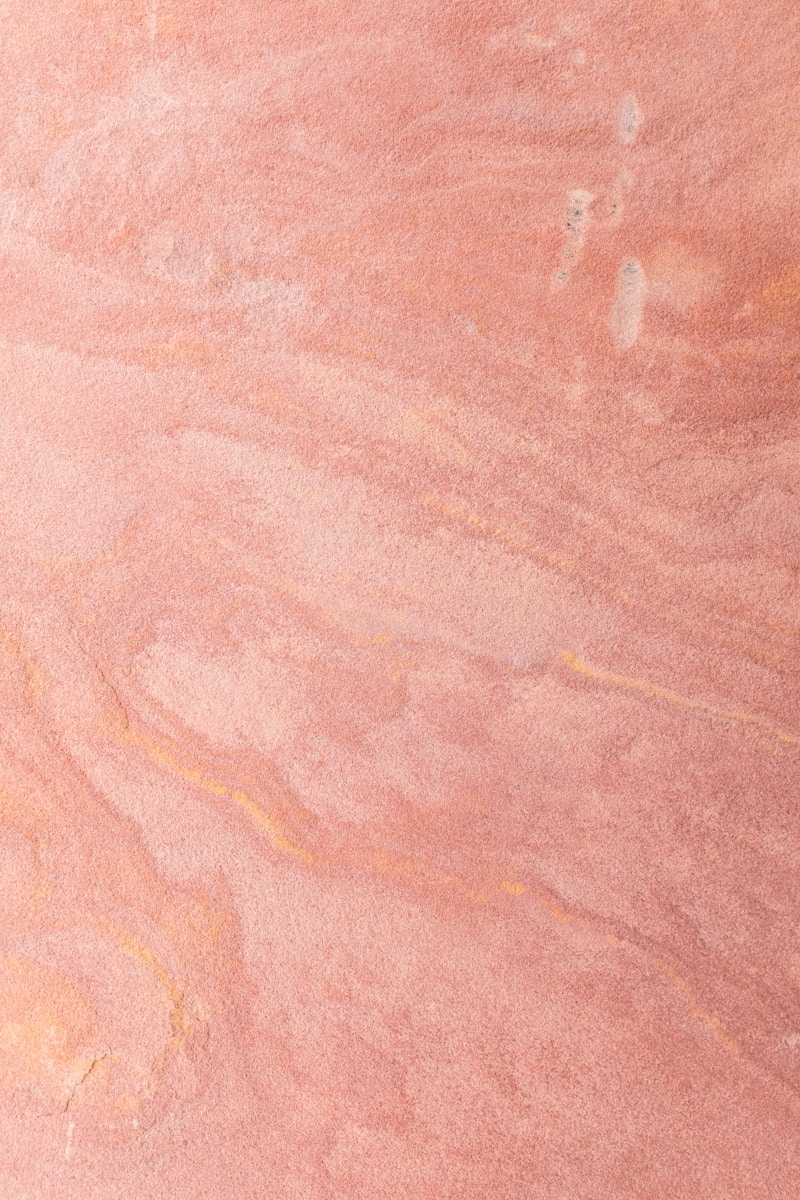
(629, 119)
(616, 204)
(577, 222)
(626, 315)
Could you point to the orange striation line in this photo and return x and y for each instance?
(656, 692)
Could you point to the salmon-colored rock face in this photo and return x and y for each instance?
(399, 604)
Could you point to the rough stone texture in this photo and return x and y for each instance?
(400, 737)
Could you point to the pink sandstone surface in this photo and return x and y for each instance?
(399, 600)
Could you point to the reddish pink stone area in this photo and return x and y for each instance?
(399, 600)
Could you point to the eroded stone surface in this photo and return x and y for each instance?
(399, 607)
